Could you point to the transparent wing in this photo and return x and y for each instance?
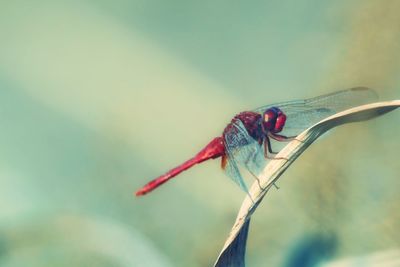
(242, 150)
(232, 171)
(301, 114)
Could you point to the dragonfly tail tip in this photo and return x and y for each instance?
(140, 193)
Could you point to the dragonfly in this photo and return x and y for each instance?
(246, 141)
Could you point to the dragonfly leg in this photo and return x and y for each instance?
(268, 148)
(258, 180)
(255, 176)
(283, 138)
(259, 185)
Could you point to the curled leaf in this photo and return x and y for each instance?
(236, 241)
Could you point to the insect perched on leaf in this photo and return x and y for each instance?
(246, 140)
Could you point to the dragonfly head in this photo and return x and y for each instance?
(273, 120)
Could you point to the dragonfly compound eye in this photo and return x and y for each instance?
(280, 122)
(269, 118)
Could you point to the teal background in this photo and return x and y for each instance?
(99, 97)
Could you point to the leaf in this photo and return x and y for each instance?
(233, 251)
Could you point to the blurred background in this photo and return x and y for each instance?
(99, 97)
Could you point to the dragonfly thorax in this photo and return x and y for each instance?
(250, 120)
(273, 120)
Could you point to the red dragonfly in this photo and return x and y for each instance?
(246, 140)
